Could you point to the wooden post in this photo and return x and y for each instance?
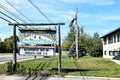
(59, 51)
(14, 48)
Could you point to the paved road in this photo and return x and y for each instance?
(10, 57)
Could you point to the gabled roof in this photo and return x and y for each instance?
(114, 31)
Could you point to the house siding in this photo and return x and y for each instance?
(111, 44)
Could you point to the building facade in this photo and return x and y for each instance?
(111, 44)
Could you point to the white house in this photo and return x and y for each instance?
(111, 44)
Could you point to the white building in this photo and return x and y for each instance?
(111, 44)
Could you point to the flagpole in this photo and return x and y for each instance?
(76, 34)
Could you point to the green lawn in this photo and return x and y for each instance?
(85, 66)
(90, 66)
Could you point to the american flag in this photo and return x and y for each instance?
(74, 20)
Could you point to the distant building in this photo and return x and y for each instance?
(111, 44)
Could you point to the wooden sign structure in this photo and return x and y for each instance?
(37, 41)
(36, 24)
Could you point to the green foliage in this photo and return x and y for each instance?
(21, 69)
(9, 67)
(66, 45)
(72, 50)
(91, 45)
(0, 40)
(2, 47)
(71, 35)
(96, 49)
(68, 41)
(86, 41)
(7, 45)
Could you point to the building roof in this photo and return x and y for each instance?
(114, 31)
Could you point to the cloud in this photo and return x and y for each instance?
(106, 30)
(111, 17)
(91, 2)
(98, 2)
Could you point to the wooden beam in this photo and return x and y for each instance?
(36, 46)
(35, 24)
(37, 29)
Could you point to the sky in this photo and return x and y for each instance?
(100, 16)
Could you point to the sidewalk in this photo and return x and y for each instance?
(17, 77)
(116, 61)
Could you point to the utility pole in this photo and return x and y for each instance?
(59, 51)
(14, 48)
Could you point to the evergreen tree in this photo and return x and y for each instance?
(96, 49)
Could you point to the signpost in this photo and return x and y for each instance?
(36, 24)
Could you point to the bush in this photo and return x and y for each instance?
(72, 51)
(95, 51)
(9, 67)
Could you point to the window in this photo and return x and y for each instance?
(111, 53)
(105, 41)
(116, 53)
(114, 38)
(118, 37)
(105, 53)
(47, 50)
(110, 39)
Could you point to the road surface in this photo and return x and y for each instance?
(6, 58)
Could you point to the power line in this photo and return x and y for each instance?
(40, 11)
(11, 13)
(5, 19)
(8, 16)
(4, 8)
(8, 21)
(18, 11)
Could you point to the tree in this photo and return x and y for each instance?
(7, 45)
(66, 45)
(86, 41)
(2, 47)
(72, 50)
(0, 40)
(96, 49)
(71, 35)
(67, 42)
(91, 45)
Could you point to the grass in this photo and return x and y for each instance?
(90, 66)
(85, 66)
